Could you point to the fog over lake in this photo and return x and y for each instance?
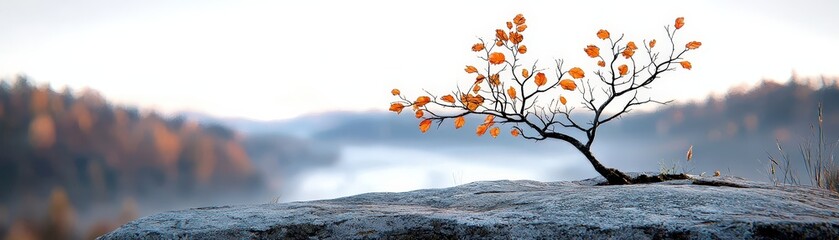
(381, 168)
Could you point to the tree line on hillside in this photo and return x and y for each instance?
(100, 153)
(764, 108)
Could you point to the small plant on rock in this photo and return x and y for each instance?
(538, 103)
(667, 169)
(818, 157)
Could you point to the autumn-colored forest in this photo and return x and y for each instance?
(67, 155)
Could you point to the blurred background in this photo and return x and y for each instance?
(113, 110)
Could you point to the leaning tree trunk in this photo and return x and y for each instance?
(612, 175)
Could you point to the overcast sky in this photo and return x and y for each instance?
(280, 59)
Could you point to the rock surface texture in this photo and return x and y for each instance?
(699, 208)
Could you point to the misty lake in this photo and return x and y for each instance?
(378, 168)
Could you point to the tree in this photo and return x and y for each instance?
(62, 217)
(507, 93)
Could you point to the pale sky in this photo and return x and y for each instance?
(281, 59)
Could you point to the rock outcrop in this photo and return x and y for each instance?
(699, 208)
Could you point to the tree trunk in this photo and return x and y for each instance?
(612, 175)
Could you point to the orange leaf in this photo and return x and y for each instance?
(476, 88)
(562, 100)
(603, 34)
(495, 79)
(522, 49)
(592, 51)
(540, 79)
(471, 69)
(458, 122)
(680, 21)
(690, 153)
(601, 63)
(448, 98)
(396, 107)
(424, 125)
(473, 102)
(472, 106)
(631, 45)
(421, 101)
(481, 129)
(577, 73)
(496, 58)
(394, 92)
(475, 99)
(525, 73)
(498, 43)
(488, 120)
(516, 37)
(623, 69)
(652, 43)
(686, 65)
(514, 132)
(627, 53)
(501, 35)
(494, 132)
(521, 28)
(693, 45)
(509, 25)
(568, 84)
(512, 92)
(479, 79)
(419, 114)
(519, 19)
(477, 47)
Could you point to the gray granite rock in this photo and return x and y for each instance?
(700, 208)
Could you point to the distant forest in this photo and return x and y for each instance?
(770, 108)
(91, 152)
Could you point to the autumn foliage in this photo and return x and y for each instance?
(97, 153)
(537, 102)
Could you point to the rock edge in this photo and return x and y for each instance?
(698, 208)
